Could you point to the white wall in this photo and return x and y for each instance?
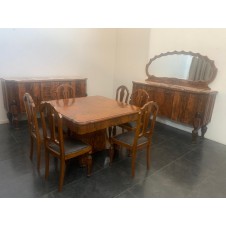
(59, 52)
(131, 56)
(209, 42)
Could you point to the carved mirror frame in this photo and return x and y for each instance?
(198, 83)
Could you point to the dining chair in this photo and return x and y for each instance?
(122, 95)
(60, 146)
(34, 130)
(140, 138)
(65, 91)
(138, 98)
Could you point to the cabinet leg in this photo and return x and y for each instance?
(15, 121)
(194, 135)
(196, 124)
(203, 130)
(10, 117)
(14, 114)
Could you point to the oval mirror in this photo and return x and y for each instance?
(182, 65)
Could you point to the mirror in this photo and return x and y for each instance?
(182, 65)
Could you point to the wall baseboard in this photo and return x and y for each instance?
(4, 121)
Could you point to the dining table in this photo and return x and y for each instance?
(88, 118)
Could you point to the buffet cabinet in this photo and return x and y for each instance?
(40, 90)
(192, 106)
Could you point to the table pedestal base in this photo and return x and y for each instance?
(98, 139)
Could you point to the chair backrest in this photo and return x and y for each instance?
(65, 91)
(139, 98)
(122, 94)
(31, 112)
(146, 120)
(52, 125)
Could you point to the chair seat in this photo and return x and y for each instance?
(70, 146)
(128, 138)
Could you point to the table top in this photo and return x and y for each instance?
(92, 113)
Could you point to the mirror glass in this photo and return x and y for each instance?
(182, 65)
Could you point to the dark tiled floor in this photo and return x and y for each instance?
(178, 169)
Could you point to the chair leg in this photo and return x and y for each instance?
(68, 132)
(114, 130)
(47, 164)
(62, 171)
(55, 160)
(148, 157)
(109, 132)
(111, 153)
(83, 161)
(38, 155)
(133, 162)
(89, 164)
(31, 147)
(129, 152)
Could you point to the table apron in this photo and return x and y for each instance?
(95, 126)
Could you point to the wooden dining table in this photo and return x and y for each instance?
(89, 117)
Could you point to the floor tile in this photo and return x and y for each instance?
(179, 169)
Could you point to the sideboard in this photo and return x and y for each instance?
(39, 88)
(192, 106)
